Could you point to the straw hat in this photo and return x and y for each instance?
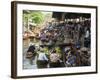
(67, 48)
(84, 49)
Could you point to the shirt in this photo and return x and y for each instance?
(54, 57)
(87, 34)
(72, 59)
(42, 56)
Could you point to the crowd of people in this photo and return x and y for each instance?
(68, 56)
(73, 40)
(62, 32)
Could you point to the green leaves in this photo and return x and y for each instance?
(36, 17)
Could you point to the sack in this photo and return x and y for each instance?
(29, 55)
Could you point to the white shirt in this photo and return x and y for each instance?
(87, 34)
(42, 56)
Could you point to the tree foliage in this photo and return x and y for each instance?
(36, 17)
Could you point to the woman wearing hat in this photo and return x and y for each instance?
(54, 59)
(42, 59)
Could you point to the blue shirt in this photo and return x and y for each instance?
(72, 59)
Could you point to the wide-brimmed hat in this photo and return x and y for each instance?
(67, 48)
(84, 49)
